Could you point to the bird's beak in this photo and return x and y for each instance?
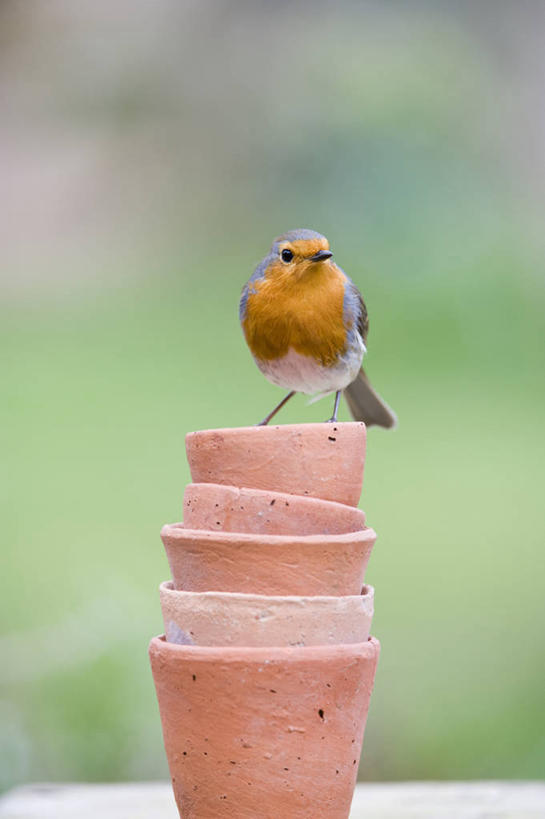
(321, 256)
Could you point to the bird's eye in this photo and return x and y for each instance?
(287, 255)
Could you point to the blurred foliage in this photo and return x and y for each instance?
(151, 156)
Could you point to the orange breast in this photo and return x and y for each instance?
(302, 313)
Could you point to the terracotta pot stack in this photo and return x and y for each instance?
(266, 668)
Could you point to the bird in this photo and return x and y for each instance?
(306, 324)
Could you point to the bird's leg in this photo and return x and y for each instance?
(333, 419)
(273, 412)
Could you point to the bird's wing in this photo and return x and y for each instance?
(249, 288)
(243, 301)
(355, 311)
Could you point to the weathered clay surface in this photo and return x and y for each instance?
(222, 619)
(319, 460)
(372, 800)
(230, 509)
(308, 565)
(263, 732)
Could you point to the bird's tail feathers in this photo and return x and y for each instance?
(366, 405)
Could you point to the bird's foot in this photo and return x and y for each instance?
(333, 419)
(273, 412)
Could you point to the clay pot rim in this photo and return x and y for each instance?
(266, 430)
(310, 499)
(177, 532)
(367, 594)
(263, 654)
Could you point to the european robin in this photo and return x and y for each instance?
(306, 325)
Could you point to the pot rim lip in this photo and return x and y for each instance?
(367, 595)
(263, 655)
(310, 499)
(177, 532)
(269, 428)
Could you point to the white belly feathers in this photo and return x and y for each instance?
(303, 374)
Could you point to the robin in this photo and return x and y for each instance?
(306, 325)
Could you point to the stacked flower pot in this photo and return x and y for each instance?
(266, 667)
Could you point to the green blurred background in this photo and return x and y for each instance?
(150, 153)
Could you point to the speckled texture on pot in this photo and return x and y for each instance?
(263, 732)
(230, 509)
(319, 460)
(308, 565)
(220, 618)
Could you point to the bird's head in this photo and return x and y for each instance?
(299, 252)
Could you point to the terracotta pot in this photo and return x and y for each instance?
(258, 511)
(223, 619)
(263, 732)
(308, 565)
(321, 460)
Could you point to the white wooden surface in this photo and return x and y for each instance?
(404, 800)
